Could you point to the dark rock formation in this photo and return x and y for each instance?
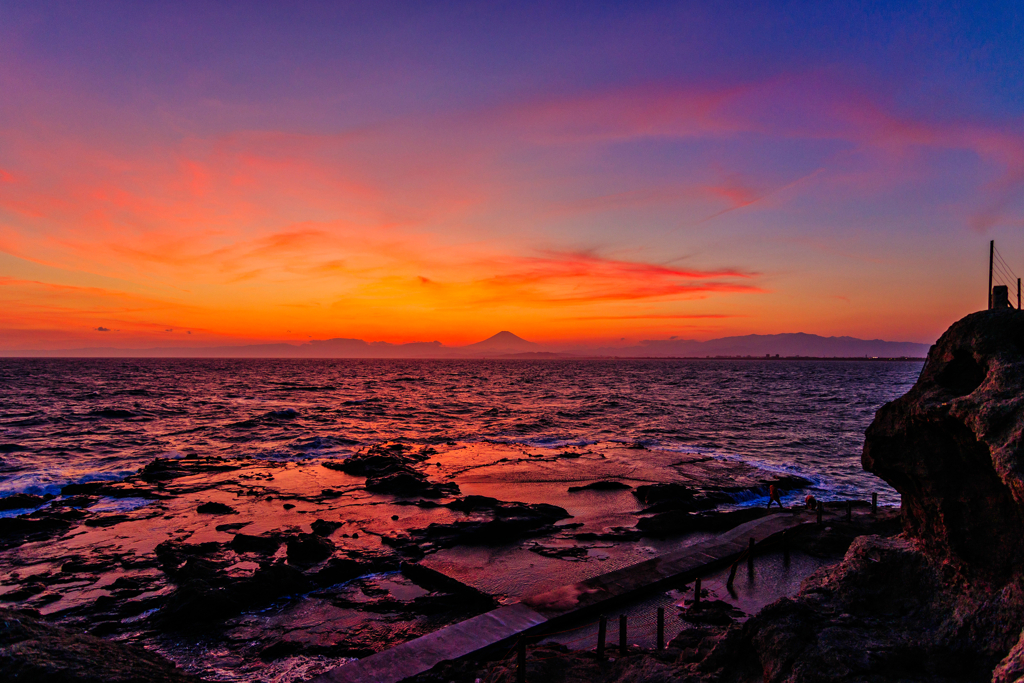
(322, 527)
(341, 569)
(307, 549)
(388, 468)
(681, 521)
(22, 500)
(953, 445)
(490, 521)
(37, 526)
(946, 602)
(601, 486)
(214, 508)
(207, 593)
(265, 545)
(33, 650)
(887, 613)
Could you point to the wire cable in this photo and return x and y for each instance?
(1001, 260)
(1003, 276)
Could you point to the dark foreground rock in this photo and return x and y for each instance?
(953, 445)
(888, 612)
(32, 650)
(946, 601)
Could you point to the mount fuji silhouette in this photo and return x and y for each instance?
(503, 342)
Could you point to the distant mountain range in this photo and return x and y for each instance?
(508, 345)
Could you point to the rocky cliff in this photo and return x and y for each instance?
(953, 446)
(946, 601)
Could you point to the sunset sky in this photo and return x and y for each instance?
(219, 173)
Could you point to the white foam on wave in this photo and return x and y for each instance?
(19, 511)
(42, 483)
(120, 504)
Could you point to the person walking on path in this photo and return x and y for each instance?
(773, 496)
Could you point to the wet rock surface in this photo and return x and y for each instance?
(198, 558)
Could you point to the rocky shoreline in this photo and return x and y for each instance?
(260, 568)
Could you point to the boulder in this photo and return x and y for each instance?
(307, 549)
(22, 500)
(214, 508)
(388, 468)
(266, 545)
(491, 521)
(952, 446)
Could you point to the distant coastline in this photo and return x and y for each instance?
(791, 346)
(518, 356)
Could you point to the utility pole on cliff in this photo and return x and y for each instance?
(991, 259)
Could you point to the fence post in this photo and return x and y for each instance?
(696, 593)
(820, 506)
(521, 661)
(622, 634)
(661, 628)
(732, 573)
(874, 503)
(602, 632)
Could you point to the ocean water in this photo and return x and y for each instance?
(66, 420)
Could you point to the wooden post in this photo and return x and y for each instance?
(732, 574)
(874, 503)
(991, 257)
(521, 662)
(622, 634)
(750, 556)
(602, 632)
(820, 506)
(849, 511)
(696, 593)
(661, 628)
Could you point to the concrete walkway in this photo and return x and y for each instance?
(505, 623)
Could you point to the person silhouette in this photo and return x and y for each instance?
(811, 502)
(773, 496)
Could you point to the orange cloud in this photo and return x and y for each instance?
(438, 224)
